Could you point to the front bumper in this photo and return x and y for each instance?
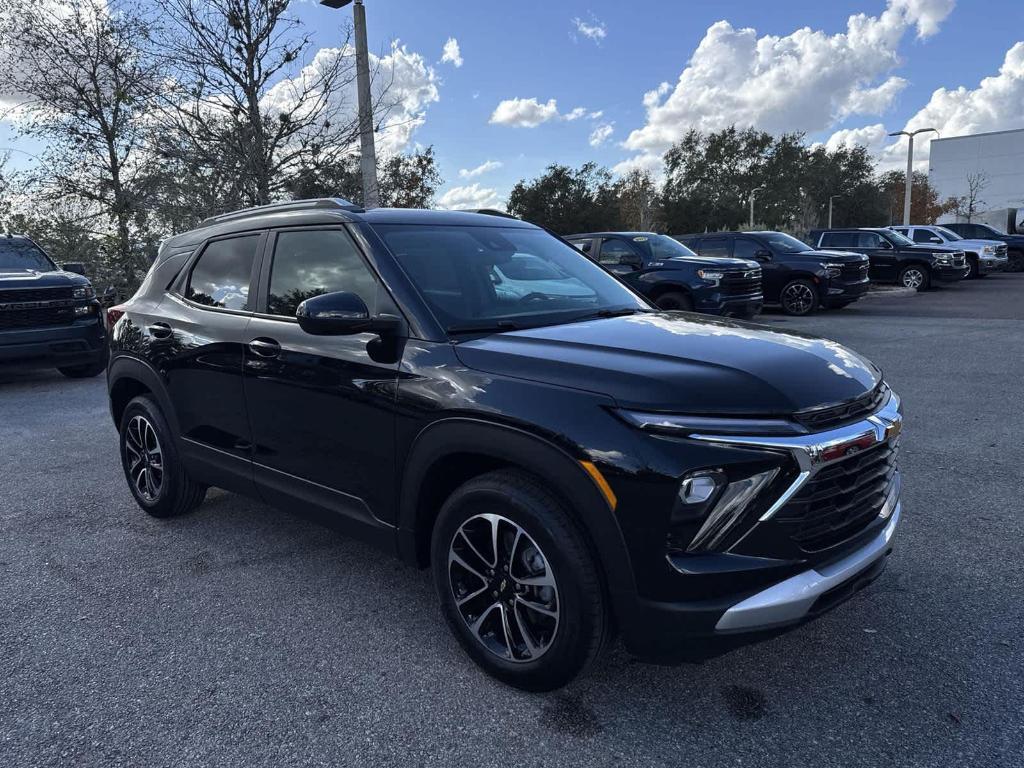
(950, 274)
(78, 343)
(843, 292)
(989, 264)
(730, 306)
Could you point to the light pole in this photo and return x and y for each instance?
(910, 168)
(368, 152)
(753, 194)
(830, 199)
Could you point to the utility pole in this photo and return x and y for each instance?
(368, 151)
(910, 168)
(753, 194)
(830, 199)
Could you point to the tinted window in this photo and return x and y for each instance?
(780, 241)
(17, 253)
(310, 263)
(870, 240)
(745, 248)
(617, 252)
(924, 236)
(839, 240)
(664, 247)
(714, 246)
(221, 276)
(471, 275)
(583, 245)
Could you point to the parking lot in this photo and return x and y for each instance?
(244, 636)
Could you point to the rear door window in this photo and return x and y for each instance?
(839, 240)
(615, 251)
(221, 276)
(715, 246)
(745, 248)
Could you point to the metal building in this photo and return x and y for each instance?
(997, 158)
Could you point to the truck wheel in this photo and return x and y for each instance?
(517, 582)
(151, 464)
(1015, 262)
(798, 298)
(972, 268)
(86, 371)
(675, 300)
(915, 276)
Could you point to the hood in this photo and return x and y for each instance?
(30, 278)
(977, 245)
(923, 248)
(846, 257)
(706, 261)
(668, 361)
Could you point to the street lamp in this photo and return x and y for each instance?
(910, 168)
(830, 199)
(753, 194)
(368, 156)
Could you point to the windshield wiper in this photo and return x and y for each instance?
(483, 327)
(602, 313)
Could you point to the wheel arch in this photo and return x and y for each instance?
(129, 377)
(659, 289)
(450, 452)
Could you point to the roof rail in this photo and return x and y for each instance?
(336, 203)
(491, 212)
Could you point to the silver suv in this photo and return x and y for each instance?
(983, 256)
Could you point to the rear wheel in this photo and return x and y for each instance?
(915, 276)
(675, 300)
(1015, 261)
(152, 467)
(798, 298)
(517, 582)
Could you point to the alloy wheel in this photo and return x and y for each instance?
(144, 458)
(504, 588)
(913, 278)
(798, 298)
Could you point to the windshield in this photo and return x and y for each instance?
(779, 241)
(663, 247)
(949, 233)
(899, 239)
(18, 253)
(496, 278)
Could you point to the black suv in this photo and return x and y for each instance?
(566, 461)
(797, 278)
(895, 258)
(674, 277)
(1014, 243)
(49, 317)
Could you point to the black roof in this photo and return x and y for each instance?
(612, 234)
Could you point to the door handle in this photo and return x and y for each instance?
(159, 330)
(264, 347)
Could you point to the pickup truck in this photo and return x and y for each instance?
(1014, 243)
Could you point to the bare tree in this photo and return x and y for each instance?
(638, 200)
(976, 184)
(241, 107)
(81, 85)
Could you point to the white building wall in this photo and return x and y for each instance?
(999, 156)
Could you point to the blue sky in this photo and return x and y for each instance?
(841, 70)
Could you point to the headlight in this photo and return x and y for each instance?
(989, 249)
(83, 292)
(708, 274)
(944, 259)
(834, 270)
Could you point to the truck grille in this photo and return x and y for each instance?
(741, 283)
(820, 419)
(959, 259)
(843, 499)
(1001, 250)
(54, 307)
(855, 271)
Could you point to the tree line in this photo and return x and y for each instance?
(707, 183)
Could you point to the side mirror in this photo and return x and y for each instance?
(763, 255)
(936, 239)
(341, 314)
(74, 266)
(885, 245)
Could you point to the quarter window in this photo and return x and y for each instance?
(839, 240)
(220, 278)
(309, 263)
(715, 246)
(617, 252)
(744, 248)
(923, 236)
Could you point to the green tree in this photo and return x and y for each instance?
(925, 207)
(568, 200)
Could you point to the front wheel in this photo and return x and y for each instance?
(798, 298)
(152, 467)
(675, 300)
(517, 582)
(915, 276)
(972, 269)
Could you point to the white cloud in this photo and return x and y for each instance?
(529, 113)
(484, 167)
(807, 80)
(870, 136)
(451, 53)
(596, 115)
(601, 134)
(471, 196)
(593, 30)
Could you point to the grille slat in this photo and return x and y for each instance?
(820, 419)
(14, 316)
(843, 499)
(741, 283)
(30, 318)
(35, 294)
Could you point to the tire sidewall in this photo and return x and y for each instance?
(782, 298)
(171, 483)
(925, 277)
(563, 659)
(684, 303)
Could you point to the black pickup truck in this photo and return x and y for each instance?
(797, 278)
(49, 317)
(895, 258)
(1014, 243)
(674, 277)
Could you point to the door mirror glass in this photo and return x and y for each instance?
(335, 314)
(75, 266)
(763, 255)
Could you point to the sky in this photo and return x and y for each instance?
(503, 90)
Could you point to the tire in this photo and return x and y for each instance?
(972, 267)
(675, 300)
(1015, 262)
(538, 650)
(798, 298)
(87, 370)
(915, 276)
(164, 492)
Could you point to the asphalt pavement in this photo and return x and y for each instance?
(243, 636)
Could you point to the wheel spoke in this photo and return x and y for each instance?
(544, 580)
(476, 625)
(455, 557)
(506, 631)
(531, 644)
(461, 601)
(487, 563)
(538, 607)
